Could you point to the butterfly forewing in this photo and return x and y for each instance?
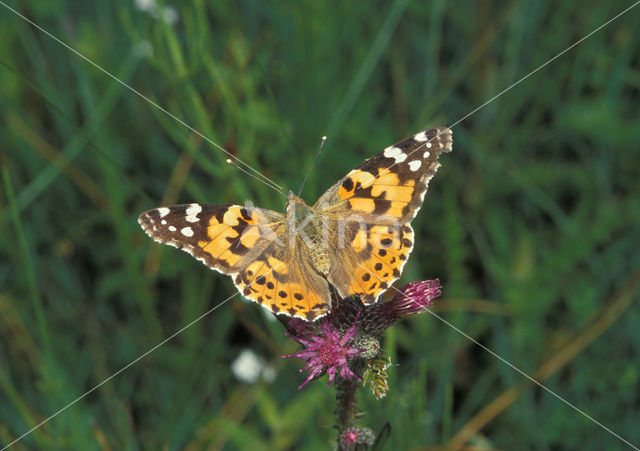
(223, 237)
(390, 186)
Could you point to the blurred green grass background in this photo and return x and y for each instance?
(531, 223)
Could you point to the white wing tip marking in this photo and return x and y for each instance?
(192, 212)
(420, 137)
(392, 152)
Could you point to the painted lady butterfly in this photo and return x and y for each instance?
(356, 237)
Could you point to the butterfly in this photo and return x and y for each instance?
(355, 239)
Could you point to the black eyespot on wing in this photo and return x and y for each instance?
(347, 184)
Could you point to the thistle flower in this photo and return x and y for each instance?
(356, 354)
(416, 297)
(412, 299)
(327, 351)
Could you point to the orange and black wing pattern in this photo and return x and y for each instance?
(224, 237)
(251, 245)
(372, 207)
(390, 186)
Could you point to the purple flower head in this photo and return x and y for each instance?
(416, 297)
(411, 299)
(327, 351)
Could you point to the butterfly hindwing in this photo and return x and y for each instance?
(372, 260)
(283, 282)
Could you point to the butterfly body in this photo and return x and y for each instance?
(355, 238)
(305, 223)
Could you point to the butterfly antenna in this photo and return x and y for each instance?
(269, 184)
(313, 163)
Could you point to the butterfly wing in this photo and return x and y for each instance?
(251, 245)
(371, 261)
(224, 237)
(372, 207)
(283, 282)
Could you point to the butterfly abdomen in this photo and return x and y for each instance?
(320, 257)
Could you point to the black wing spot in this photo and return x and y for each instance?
(347, 184)
(282, 294)
(378, 266)
(298, 296)
(366, 276)
(381, 204)
(220, 215)
(270, 285)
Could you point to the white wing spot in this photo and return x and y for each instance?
(392, 152)
(172, 228)
(415, 165)
(163, 222)
(163, 211)
(192, 213)
(187, 231)
(429, 145)
(400, 158)
(421, 137)
(426, 154)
